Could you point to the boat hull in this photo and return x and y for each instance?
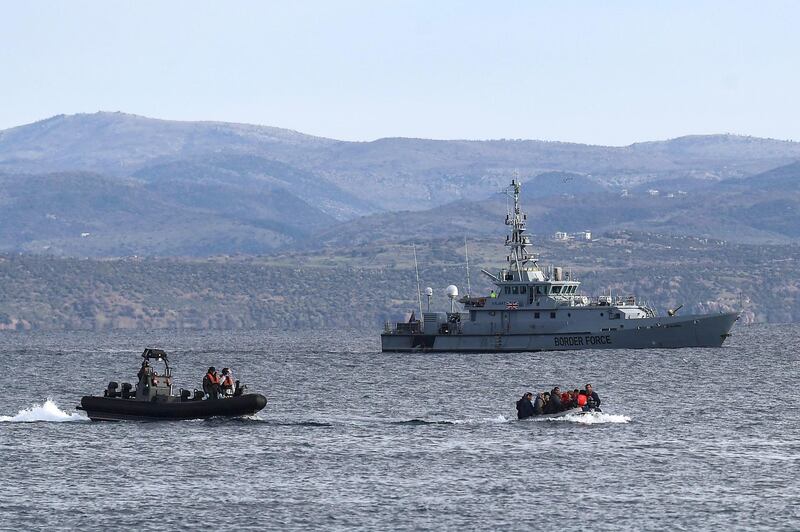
(708, 330)
(116, 409)
(577, 411)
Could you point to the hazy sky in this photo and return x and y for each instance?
(595, 71)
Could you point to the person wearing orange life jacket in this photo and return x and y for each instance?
(582, 398)
(211, 384)
(227, 383)
(565, 400)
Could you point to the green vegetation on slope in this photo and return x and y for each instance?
(361, 287)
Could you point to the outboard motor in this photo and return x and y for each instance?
(111, 390)
(185, 394)
(127, 390)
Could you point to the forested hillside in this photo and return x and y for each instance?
(363, 286)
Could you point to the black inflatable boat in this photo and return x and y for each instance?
(152, 398)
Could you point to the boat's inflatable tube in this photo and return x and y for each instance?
(576, 410)
(115, 409)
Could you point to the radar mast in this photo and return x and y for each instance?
(519, 258)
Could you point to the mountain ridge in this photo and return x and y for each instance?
(126, 115)
(241, 188)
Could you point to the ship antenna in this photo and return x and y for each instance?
(515, 220)
(416, 270)
(466, 254)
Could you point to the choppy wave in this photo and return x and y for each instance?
(47, 412)
(590, 418)
(497, 419)
(468, 421)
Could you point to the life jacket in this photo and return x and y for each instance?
(212, 378)
(564, 398)
(227, 381)
(581, 400)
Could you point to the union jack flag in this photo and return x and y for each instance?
(512, 305)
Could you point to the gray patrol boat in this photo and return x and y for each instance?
(535, 309)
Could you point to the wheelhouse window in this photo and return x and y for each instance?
(556, 289)
(522, 289)
(536, 315)
(515, 290)
(508, 289)
(552, 315)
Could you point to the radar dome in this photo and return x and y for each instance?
(429, 291)
(451, 291)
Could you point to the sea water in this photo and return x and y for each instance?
(356, 438)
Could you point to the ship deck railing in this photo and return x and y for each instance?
(605, 301)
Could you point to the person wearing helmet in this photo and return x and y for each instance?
(144, 370)
(211, 383)
(227, 384)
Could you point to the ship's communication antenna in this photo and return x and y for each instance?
(452, 293)
(466, 254)
(416, 270)
(429, 294)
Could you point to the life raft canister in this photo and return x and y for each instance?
(581, 400)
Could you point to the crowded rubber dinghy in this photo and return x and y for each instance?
(557, 403)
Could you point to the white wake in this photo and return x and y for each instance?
(48, 412)
(591, 418)
(497, 419)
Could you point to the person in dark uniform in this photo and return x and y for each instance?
(592, 399)
(524, 406)
(211, 384)
(144, 370)
(226, 382)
